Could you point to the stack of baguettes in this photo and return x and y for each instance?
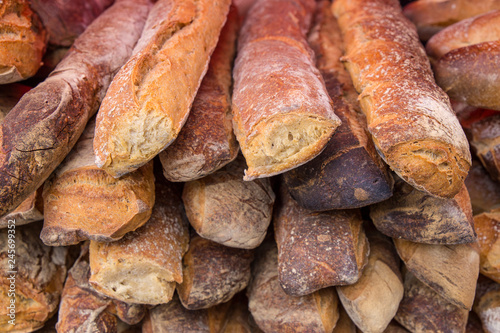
(347, 209)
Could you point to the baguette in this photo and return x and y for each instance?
(227, 210)
(484, 192)
(206, 142)
(78, 198)
(212, 273)
(48, 120)
(144, 266)
(282, 114)
(143, 111)
(418, 217)
(327, 182)
(487, 227)
(409, 116)
(318, 250)
(23, 40)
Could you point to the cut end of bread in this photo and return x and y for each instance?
(285, 142)
(439, 171)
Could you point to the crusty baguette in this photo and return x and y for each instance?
(43, 127)
(66, 20)
(212, 273)
(419, 217)
(83, 202)
(487, 227)
(373, 300)
(317, 250)
(431, 16)
(144, 266)
(224, 208)
(409, 116)
(32, 274)
(487, 304)
(206, 142)
(327, 182)
(450, 270)
(484, 192)
(275, 311)
(282, 114)
(149, 100)
(424, 310)
(23, 40)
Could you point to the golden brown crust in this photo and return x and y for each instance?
(282, 115)
(43, 127)
(419, 217)
(30, 210)
(143, 111)
(206, 142)
(487, 228)
(409, 116)
(318, 250)
(145, 264)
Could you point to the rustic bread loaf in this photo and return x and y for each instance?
(419, 217)
(317, 250)
(43, 127)
(431, 16)
(144, 266)
(328, 181)
(227, 210)
(409, 116)
(282, 114)
(83, 202)
(484, 192)
(206, 142)
(487, 227)
(144, 110)
(23, 40)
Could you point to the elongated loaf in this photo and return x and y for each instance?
(409, 116)
(282, 114)
(206, 142)
(83, 202)
(43, 127)
(150, 98)
(328, 182)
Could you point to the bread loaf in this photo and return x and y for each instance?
(212, 273)
(432, 16)
(419, 217)
(66, 20)
(487, 303)
(282, 115)
(450, 270)
(30, 210)
(83, 202)
(318, 250)
(32, 275)
(373, 300)
(487, 228)
(145, 264)
(409, 116)
(143, 110)
(23, 40)
(275, 311)
(206, 142)
(484, 192)
(43, 127)
(328, 182)
(227, 210)
(423, 310)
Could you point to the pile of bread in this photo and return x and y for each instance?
(303, 166)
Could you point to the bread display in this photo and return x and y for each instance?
(327, 182)
(227, 210)
(487, 228)
(23, 40)
(145, 264)
(32, 275)
(465, 55)
(279, 126)
(206, 142)
(419, 217)
(41, 129)
(134, 124)
(318, 250)
(409, 116)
